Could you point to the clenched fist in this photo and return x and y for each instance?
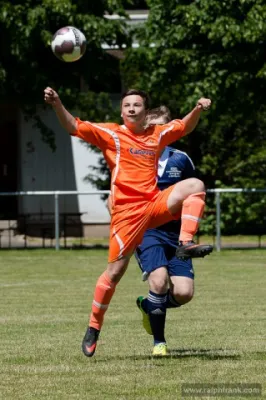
(51, 97)
(204, 104)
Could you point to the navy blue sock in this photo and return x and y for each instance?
(171, 301)
(156, 308)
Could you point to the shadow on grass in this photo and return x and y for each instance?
(207, 354)
(243, 246)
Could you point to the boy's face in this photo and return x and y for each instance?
(133, 111)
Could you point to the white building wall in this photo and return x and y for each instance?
(92, 207)
(65, 169)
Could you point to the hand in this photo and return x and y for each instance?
(204, 104)
(51, 97)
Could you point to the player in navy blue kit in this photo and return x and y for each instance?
(171, 279)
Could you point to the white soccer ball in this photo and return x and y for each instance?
(68, 44)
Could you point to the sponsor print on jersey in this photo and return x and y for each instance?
(144, 153)
(173, 172)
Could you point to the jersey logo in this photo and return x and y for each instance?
(139, 152)
(174, 172)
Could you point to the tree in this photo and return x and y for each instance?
(213, 48)
(27, 64)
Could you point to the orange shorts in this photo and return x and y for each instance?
(129, 222)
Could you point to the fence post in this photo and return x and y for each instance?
(218, 221)
(56, 221)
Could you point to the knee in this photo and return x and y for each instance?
(196, 185)
(116, 270)
(183, 297)
(115, 276)
(158, 286)
(184, 189)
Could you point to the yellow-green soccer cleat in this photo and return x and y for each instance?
(160, 349)
(145, 318)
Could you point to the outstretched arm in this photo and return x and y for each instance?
(191, 120)
(66, 119)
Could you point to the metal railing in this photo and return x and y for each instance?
(217, 193)
(58, 193)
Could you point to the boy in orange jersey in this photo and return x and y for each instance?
(132, 154)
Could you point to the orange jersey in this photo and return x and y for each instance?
(132, 158)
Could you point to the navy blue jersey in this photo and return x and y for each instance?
(174, 166)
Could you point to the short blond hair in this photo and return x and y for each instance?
(158, 112)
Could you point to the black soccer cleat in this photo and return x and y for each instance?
(89, 342)
(187, 250)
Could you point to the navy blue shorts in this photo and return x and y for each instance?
(163, 255)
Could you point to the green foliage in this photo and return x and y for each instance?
(188, 49)
(215, 49)
(27, 64)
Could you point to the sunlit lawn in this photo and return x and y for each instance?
(220, 337)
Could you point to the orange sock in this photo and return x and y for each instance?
(103, 294)
(192, 211)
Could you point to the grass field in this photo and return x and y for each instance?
(220, 337)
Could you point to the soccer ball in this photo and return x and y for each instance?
(68, 44)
